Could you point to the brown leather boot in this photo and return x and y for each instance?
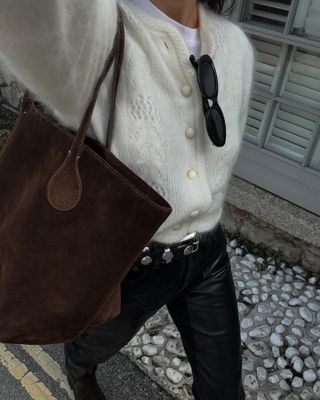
(86, 388)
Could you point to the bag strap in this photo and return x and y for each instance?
(65, 186)
(117, 54)
(116, 76)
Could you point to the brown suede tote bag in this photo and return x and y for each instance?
(73, 220)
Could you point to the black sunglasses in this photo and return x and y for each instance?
(208, 84)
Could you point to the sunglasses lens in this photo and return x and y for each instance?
(208, 84)
(207, 79)
(216, 126)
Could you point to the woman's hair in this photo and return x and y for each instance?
(217, 5)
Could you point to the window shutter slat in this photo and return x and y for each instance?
(291, 133)
(308, 82)
(303, 80)
(303, 94)
(264, 79)
(268, 14)
(273, 4)
(251, 134)
(298, 131)
(286, 149)
(255, 120)
(267, 63)
(289, 137)
(298, 121)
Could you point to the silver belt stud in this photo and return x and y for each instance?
(146, 260)
(167, 255)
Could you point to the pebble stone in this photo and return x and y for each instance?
(251, 382)
(305, 313)
(279, 312)
(273, 379)
(259, 349)
(137, 352)
(309, 362)
(281, 362)
(316, 388)
(306, 395)
(261, 373)
(290, 352)
(284, 385)
(309, 375)
(297, 363)
(161, 361)
(146, 360)
(260, 332)
(149, 350)
(173, 375)
(175, 347)
(276, 339)
(159, 372)
(286, 374)
(297, 382)
(146, 338)
(176, 362)
(158, 339)
(185, 368)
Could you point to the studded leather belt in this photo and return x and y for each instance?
(165, 254)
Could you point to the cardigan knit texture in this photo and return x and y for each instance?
(57, 49)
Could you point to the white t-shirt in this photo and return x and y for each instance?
(190, 35)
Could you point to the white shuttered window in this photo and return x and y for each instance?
(281, 147)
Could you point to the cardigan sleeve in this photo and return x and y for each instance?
(57, 49)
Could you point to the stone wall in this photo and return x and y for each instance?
(265, 239)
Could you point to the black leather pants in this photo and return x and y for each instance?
(199, 292)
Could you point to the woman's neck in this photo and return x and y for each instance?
(183, 11)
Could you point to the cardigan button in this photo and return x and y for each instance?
(190, 132)
(194, 213)
(191, 173)
(186, 90)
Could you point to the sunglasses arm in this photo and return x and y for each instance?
(193, 61)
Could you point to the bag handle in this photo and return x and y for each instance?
(116, 76)
(65, 187)
(117, 54)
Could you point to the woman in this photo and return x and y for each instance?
(57, 50)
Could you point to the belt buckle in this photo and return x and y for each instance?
(193, 247)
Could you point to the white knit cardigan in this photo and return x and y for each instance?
(57, 50)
